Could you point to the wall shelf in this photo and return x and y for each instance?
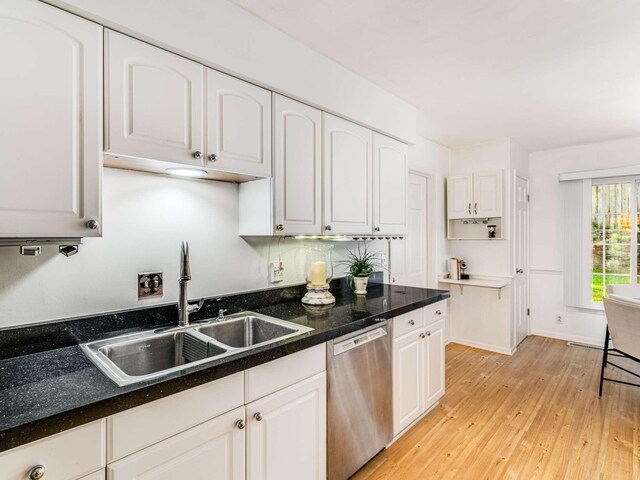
(495, 283)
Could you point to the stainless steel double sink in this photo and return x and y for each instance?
(151, 354)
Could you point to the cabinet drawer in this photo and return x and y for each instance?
(407, 322)
(65, 456)
(435, 312)
(139, 427)
(278, 374)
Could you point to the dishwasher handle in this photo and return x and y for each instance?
(359, 340)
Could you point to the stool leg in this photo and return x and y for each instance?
(605, 354)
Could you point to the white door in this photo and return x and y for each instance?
(214, 449)
(521, 242)
(409, 255)
(298, 167)
(390, 165)
(287, 433)
(487, 194)
(238, 125)
(433, 362)
(51, 125)
(348, 180)
(408, 381)
(460, 196)
(153, 102)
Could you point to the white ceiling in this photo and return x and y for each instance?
(547, 73)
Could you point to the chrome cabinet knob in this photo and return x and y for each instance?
(377, 229)
(197, 154)
(412, 322)
(475, 208)
(258, 416)
(36, 472)
(280, 227)
(469, 209)
(327, 228)
(438, 312)
(93, 224)
(422, 335)
(241, 424)
(213, 157)
(519, 270)
(428, 334)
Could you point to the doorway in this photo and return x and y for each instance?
(409, 256)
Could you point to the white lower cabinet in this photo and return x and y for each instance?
(214, 449)
(286, 433)
(418, 364)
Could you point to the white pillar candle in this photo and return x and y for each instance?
(318, 273)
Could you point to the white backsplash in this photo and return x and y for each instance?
(145, 218)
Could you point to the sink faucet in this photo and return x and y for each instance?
(184, 308)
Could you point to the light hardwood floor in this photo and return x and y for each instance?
(533, 415)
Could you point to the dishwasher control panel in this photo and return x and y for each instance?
(358, 340)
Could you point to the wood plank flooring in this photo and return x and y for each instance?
(533, 415)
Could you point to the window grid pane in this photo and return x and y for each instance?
(615, 259)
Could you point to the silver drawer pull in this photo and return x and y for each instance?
(412, 322)
(258, 416)
(240, 424)
(36, 472)
(428, 334)
(438, 312)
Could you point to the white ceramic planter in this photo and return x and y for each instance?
(360, 285)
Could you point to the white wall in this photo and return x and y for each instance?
(546, 236)
(222, 35)
(146, 217)
(433, 159)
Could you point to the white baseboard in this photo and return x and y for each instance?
(598, 342)
(483, 346)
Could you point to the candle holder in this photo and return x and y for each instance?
(319, 271)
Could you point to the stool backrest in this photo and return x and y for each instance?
(623, 318)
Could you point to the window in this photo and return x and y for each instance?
(614, 233)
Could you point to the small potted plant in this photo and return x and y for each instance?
(360, 264)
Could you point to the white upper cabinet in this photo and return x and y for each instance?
(51, 122)
(390, 167)
(460, 196)
(153, 102)
(477, 195)
(487, 194)
(298, 167)
(348, 177)
(238, 125)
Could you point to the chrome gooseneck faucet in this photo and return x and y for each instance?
(184, 308)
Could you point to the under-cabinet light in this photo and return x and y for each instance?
(186, 172)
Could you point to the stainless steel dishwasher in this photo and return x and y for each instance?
(359, 399)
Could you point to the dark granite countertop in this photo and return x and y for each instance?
(47, 385)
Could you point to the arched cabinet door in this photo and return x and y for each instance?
(390, 167)
(238, 126)
(297, 168)
(153, 102)
(348, 174)
(51, 126)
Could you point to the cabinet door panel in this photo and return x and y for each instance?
(298, 167)
(154, 102)
(289, 443)
(460, 196)
(390, 186)
(51, 125)
(407, 380)
(434, 362)
(347, 177)
(238, 125)
(214, 449)
(487, 194)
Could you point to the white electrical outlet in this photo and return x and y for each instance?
(276, 272)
